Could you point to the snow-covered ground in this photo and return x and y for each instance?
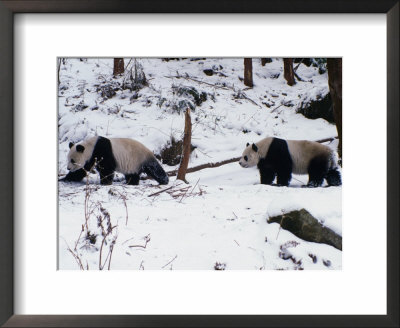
(218, 220)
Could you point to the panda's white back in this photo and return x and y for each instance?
(129, 155)
(303, 151)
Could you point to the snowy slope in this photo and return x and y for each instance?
(219, 220)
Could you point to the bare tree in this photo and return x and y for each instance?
(118, 66)
(335, 87)
(248, 72)
(288, 72)
(187, 139)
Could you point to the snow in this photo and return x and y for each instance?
(218, 220)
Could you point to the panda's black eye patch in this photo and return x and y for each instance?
(246, 158)
(72, 161)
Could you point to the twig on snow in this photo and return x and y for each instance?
(146, 239)
(169, 262)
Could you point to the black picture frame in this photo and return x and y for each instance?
(10, 7)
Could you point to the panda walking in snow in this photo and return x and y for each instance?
(123, 155)
(281, 158)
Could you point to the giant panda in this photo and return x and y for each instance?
(281, 158)
(123, 155)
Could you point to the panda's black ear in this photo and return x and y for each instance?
(70, 145)
(247, 145)
(80, 148)
(254, 147)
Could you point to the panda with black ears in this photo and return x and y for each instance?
(281, 158)
(123, 155)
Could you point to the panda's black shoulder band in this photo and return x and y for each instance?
(102, 156)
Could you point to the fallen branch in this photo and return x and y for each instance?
(276, 108)
(198, 81)
(298, 77)
(205, 166)
(251, 100)
(159, 192)
(295, 69)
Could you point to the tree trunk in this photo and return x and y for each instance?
(335, 88)
(288, 71)
(248, 72)
(118, 66)
(187, 138)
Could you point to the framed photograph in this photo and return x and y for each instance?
(140, 211)
(151, 152)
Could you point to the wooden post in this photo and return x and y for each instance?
(187, 139)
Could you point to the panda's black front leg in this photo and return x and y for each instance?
(106, 177)
(284, 169)
(267, 177)
(284, 179)
(267, 173)
(75, 176)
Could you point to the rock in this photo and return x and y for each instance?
(208, 72)
(305, 226)
(319, 108)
